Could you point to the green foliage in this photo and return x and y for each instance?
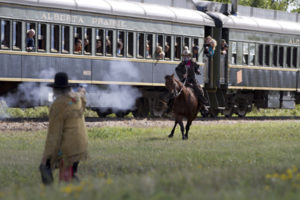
(219, 161)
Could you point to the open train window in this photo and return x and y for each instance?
(120, 43)
(42, 30)
(295, 53)
(55, 38)
(186, 42)
(31, 36)
(5, 34)
(65, 39)
(140, 45)
(99, 42)
(149, 46)
(130, 44)
(77, 40)
(251, 54)
(245, 53)
(267, 55)
(275, 55)
(17, 32)
(281, 52)
(167, 48)
(87, 40)
(177, 48)
(233, 53)
(260, 54)
(160, 40)
(109, 42)
(195, 49)
(288, 56)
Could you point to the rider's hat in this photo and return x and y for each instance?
(61, 81)
(186, 52)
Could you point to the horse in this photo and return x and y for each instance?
(185, 105)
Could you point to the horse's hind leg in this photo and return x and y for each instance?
(172, 132)
(182, 129)
(187, 128)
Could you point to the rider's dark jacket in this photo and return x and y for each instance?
(190, 68)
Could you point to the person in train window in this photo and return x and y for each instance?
(159, 54)
(148, 54)
(99, 46)
(224, 47)
(86, 46)
(206, 45)
(30, 40)
(119, 47)
(212, 47)
(108, 45)
(167, 50)
(78, 45)
(186, 71)
(67, 141)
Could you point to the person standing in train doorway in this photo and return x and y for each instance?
(66, 143)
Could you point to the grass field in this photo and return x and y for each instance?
(219, 161)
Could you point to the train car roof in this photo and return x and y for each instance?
(258, 24)
(124, 8)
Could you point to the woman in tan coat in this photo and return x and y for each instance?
(66, 142)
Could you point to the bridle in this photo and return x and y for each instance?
(180, 91)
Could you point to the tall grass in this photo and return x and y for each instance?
(219, 161)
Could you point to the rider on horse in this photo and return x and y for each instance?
(186, 71)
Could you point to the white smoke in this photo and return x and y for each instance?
(116, 97)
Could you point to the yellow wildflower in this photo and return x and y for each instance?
(298, 176)
(275, 175)
(268, 176)
(289, 173)
(267, 187)
(109, 181)
(294, 169)
(283, 177)
(67, 189)
(101, 174)
(200, 166)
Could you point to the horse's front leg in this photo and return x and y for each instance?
(187, 128)
(172, 132)
(182, 129)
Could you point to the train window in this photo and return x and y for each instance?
(186, 42)
(31, 37)
(160, 40)
(295, 52)
(281, 52)
(130, 44)
(17, 32)
(149, 46)
(275, 55)
(42, 29)
(195, 49)
(267, 55)
(65, 40)
(99, 42)
(168, 48)
(288, 56)
(260, 54)
(233, 53)
(87, 40)
(177, 48)
(5, 34)
(77, 40)
(245, 53)
(251, 54)
(54, 38)
(120, 43)
(109, 43)
(140, 45)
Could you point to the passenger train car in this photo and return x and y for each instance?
(118, 47)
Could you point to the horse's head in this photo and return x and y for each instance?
(170, 83)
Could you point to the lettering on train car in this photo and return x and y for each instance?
(62, 18)
(294, 41)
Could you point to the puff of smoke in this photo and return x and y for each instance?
(3, 109)
(116, 97)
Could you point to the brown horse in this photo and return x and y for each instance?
(185, 104)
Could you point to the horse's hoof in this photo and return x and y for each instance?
(170, 136)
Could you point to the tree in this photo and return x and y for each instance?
(269, 4)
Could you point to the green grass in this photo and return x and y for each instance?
(219, 161)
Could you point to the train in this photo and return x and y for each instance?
(118, 43)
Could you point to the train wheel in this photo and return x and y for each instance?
(241, 111)
(101, 114)
(228, 112)
(122, 113)
(142, 108)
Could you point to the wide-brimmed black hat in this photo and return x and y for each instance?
(60, 81)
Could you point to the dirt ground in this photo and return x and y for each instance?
(30, 125)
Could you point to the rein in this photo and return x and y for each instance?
(177, 94)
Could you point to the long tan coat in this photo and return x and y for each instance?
(67, 135)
